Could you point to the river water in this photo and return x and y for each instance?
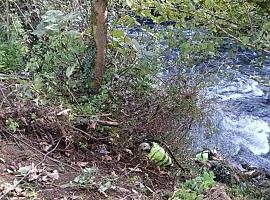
(240, 104)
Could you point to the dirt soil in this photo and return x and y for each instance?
(129, 179)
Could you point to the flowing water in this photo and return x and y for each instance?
(241, 104)
(241, 107)
(241, 111)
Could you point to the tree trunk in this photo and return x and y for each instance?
(99, 23)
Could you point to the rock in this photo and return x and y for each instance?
(217, 193)
(247, 166)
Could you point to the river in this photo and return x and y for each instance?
(240, 103)
(241, 114)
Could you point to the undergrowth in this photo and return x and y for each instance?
(195, 189)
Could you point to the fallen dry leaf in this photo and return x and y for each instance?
(121, 189)
(44, 178)
(19, 192)
(45, 146)
(2, 160)
(128, 151)
(106, 157)
(113, 174)
(82, 164)
(6, 187)
(32, 176)
(24, 121)
(2, 115)
(93, 125)
(53, 175)
(119, 157)
(136, 169)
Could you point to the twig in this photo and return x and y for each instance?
(99, 122)
(74, 98)
(17, 183)
(148, 170)
(132, 170)
(46, 155)
(105, 123)
(224, 31)
(14, 186)
(87, 134)
(237, 39)
(44, 158)
(96, 115)
(10, 76)
(4, 97)
(26, 19)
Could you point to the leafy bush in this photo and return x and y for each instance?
(13, 47)
(195, 189)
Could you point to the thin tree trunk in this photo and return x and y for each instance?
(99, 23)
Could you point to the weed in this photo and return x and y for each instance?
(245, 192)
(30, 190)
(83, 145)
(86, 179)
(194, 189)
(12, 125)
(106, 184)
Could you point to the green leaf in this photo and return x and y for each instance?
(245, 40)
(38, 83)
(24, 170)
(129, 3)
(266, 26)
(70, 70)
(209, 3)
(118, 33)
(52, 27)
(104, 187)
(136, 45)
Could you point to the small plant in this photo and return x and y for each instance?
(30, 191)
(82, 145)
(194, 189)
(202, 157)
(12, 125)
(34, 117)
(106, 184)
(86, 179)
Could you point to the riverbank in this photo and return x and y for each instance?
(46, 154)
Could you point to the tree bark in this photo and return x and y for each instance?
(99, 23)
